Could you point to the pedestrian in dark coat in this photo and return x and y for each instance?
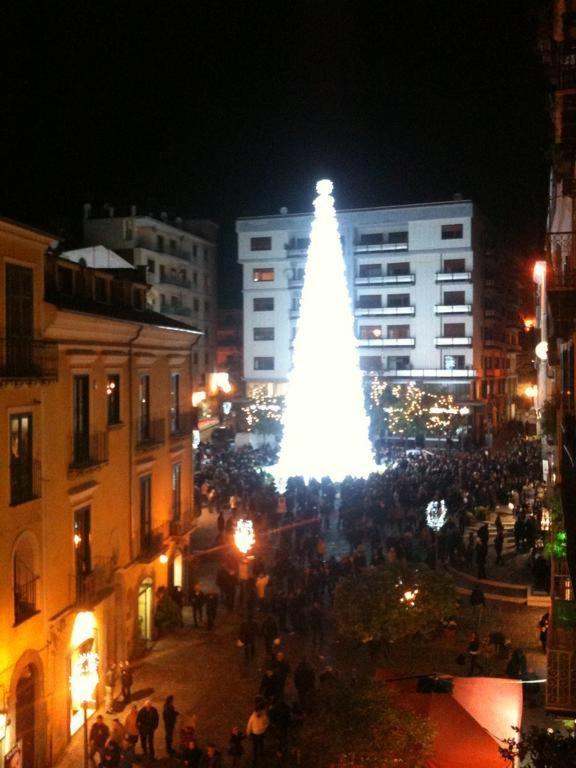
(211, 609)
(247, 637)
(192, 754)
(543, 625)
(126, 680)
(236, 748)
(269, 630)
(499, 546)
(169, 715)
(197, 599)
(147, 722)
(212, 758)
(481, 554)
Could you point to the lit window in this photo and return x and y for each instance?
(264, 275)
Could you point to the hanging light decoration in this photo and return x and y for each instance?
(244, 538)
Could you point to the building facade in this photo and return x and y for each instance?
(426, 287)
(229, 339)
(180, 257)
(96, 483)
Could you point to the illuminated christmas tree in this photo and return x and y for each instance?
(325, 423)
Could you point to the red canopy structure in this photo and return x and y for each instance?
(471, 723)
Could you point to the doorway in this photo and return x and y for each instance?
(26, 692)
(145, 610)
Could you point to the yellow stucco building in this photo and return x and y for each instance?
(96, 479)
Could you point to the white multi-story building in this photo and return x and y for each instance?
(422, 297)
(180, 258)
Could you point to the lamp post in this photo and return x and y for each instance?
(244, 539)
(436, 513)
(83, 681)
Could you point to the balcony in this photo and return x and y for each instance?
(25, 482)
(296, 282)
(294, 313)
(152, 541)
(453, 341)
(28, 360)
(453, 309)
(182, 526)
(453, 277)
(25, 587)
(407, 342)
(296, 248)
(408, 279)
(380, 247)
(89, 450)
(149, 433)
(430, 373)
(181, 425)
(145, 242)
(180, 282)
(91, 588)
(175, 309)
(384, 311)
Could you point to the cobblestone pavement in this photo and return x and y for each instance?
(206, 673)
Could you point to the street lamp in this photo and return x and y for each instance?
(436, 513)
(83, 681)
(244, 538)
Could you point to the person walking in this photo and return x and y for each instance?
(305, 683)
(256, 728)
(478, 603)
(131, 724)
(473, 653)
(197, 601)
(211, 758)
(127, 756)
(109, 685)
(169, 716)
(543, 625)
(247, 638)
(126, 680)
(147, 721)
(99, 735)
(499, 546)
(192, 754)
(236, 747)
(211, 609)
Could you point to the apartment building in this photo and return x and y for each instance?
(96, 484)
(180, 257)
(425, 286)
(229, 339)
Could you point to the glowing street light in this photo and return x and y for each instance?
(531, 391)
(244, 537)
(83, 681)
(409, 597)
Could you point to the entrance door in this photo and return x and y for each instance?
(25, 714)
(145, 610)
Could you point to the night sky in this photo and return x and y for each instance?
(226, 109)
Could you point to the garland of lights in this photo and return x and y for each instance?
(402, 404)
(436, 513)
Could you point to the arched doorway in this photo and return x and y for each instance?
(26, 694)
(145, 605)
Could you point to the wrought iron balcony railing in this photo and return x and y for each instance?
(25, 481)
(28, 359)
(149, 432)
(152, 540)
(89, 450)
(93, 586)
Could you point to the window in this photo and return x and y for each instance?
(452, 362)
(81, 418)
(399, 268)
(370, 270)
(370, 331)
(398, 363)
(298, 273)
(454, 297)
(453, 330)
(369, 301)
(398, 300)
(144, 407)
(25, 580)
(454, 265)
(151, 267)
(206, 307)
(370, 363)
(173, 246)
(174, 402)
(160, 242)
(397, 237)
(21, 462)
(145, 512)
(101, 290)
(205, 255)
(263, 363)
(299, 243)
(398, 331)
(82, 549)
(263, 334)
(194, 251)
(452, 231)
(176, 492)
(372, 238)
(260, 243)
(263, 275)
(264, 305)
(113, 398)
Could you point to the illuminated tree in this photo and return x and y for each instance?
(263, 414)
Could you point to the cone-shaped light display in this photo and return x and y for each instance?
(325, 423)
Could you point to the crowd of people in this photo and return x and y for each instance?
(381, 519)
